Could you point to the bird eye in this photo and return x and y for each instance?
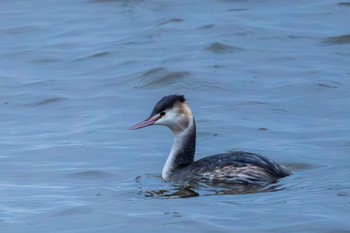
(162, 114)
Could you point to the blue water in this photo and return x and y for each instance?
(270, 77)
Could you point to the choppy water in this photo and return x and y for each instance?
(270, 77)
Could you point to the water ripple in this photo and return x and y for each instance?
(222, 48)
(47, 101)
(88, 175)
(195, 189)
(346, 4)
(161, 77)
(343, 39)
(74, 211)
(175, 20)
(94, 55)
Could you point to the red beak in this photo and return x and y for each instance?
(144, 123)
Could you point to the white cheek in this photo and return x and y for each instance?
(170, 119)
(174, 121)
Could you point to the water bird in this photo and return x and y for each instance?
(235, 167)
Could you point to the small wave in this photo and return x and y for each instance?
(161, 77)
(207, 26)
(343, 39)
(346, 4)
(222, 48)
(175, 20)
(94, 55)
(329, 84)
(46, 60)
(49, 101)
(74, 211)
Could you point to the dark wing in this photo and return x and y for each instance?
(235, 167)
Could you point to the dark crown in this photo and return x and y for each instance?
(167, 102)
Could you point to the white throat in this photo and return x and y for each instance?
(182, 151)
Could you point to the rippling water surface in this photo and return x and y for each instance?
(270, 77)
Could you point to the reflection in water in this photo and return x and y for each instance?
(180, 191)
(194, 189)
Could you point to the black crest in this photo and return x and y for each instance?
(167, 102)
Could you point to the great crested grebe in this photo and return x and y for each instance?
(231, 167)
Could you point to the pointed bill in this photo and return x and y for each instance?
(144, 123)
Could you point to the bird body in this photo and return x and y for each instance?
(231, 167)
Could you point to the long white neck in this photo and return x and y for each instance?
(182, 151)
